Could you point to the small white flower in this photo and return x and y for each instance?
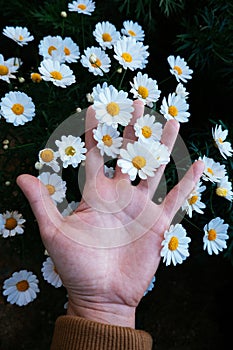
(151, 286)
(11, 224)
(215, 236)
(50, 273)
(49, 157)
(219, 137)
(145, 89)
(142, 159)
(108, 140)
(21, 288)
(52, 47)
(181, 91)
(55, 186)
(109, 171)
(175, 245)
(113, 107)
(224, 188)
(71, 150)
(193, 202)
(179, 68)
(17, 108)
(130, 53)
(213, 171)
(133, 29)
(175, 107)
(106, 34)
(7, 68)
(71, 50)
(101, 62)
(147, 130)
(71, 207)
(82, 6)
(59, 74)
(20, 35)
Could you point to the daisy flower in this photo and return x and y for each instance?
(21, 288)
(20, 35)
(109, 171)
(133, 29)
(224, 188)
(52, 47)
(59, 74)
(71, 50)
(83, 6)
(113, 107)
(215, 236)
(71, 207)
(106, 34)
(130, 53)
(193, 202)
(151, 286)
(179, 68)
(71, 150)
(48, 157)
(17, 108)
(147, 130)
(181, 91)
(175, 107)
(213, 171)
(142, 160)
(55, 186)
(96, 60)
(219, 137)
(7, 68)
(175, 245)
(50, 273)
(12, 224)
(145, 89)
(108, 140)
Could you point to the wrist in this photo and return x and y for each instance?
(118, 315)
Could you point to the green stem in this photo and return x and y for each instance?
(122, 78)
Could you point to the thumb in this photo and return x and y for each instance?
(40, 201)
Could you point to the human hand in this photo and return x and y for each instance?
(108, 250)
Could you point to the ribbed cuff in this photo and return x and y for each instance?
(76, 333)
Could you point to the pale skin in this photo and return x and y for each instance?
(105, 280)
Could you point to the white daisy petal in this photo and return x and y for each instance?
(133, 29)
(179, 68)
(20, 35)
(85, 7)
(223, 146)
(106, 34)
(213, 171)
(50, 273)
(175, 107)
(55, 185)
(215, 236)
(71, 150)
(11, 224)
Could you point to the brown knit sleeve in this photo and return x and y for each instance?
(76, 333)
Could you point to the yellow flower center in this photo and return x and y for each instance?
(97, 63)
(51, 189)
(173, 244)
(193, 200)
(66, 51)
(173, 111)
(50, 49)
(22, 286)
(139, 162)
(106, 37)
(36, 77)
(47, 155)
(3, 70)
(82, 7)
(212, 234)
(107, 140)
(127, 57)
(17, 108)
(70, 151)
(220, 140)
(10, 224)
(178, 69)
(56, 75)
(143, 91)
(21, 37)
(131, 32)
(209, 170)
(113, 108)
(146, 131)
(222, 192)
